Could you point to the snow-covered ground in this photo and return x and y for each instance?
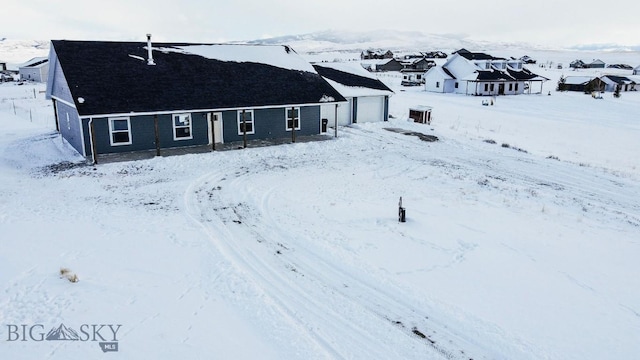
(521, 241)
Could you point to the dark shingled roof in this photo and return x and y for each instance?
(112, 79)
(523, 74)
(618, 79)
(476, 55)
(494, 75)
(350, 79)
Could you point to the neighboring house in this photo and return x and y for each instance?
(115, 97)
(371, 54)
(586, 84)
(472, 73)
(382, 65)
(428, 54)
(596, 64)
(613, 81)
(418, 64)
(620, 66)
(36, 69)
(577, 64)
(412, 77)
(636, 71)
(368, 97)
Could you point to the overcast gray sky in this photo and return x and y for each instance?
(544, 22)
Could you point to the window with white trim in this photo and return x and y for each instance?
(292, 118)
(247, 122)
(120, 131)
(182, 127)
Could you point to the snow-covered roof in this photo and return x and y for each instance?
(114, 77)
(347, 67)
(615, 79)
(352, 80)
(274, 55)
(36, 61)
(577, 80)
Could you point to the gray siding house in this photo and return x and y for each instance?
(36, 69)
(114, 97)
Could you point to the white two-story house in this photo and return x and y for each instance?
(481, 74)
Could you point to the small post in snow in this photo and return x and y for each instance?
(401, 212)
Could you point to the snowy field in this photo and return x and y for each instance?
(521, 242)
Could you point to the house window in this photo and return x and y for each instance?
(419, 77)
(247, 122)
(510, 87)
(182, 127)
(293, 118)
(437, 84)
(492, 87)
(516, 86)
(456, 85)
(486, 87)
(120, 131)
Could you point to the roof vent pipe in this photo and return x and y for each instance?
(149, 51)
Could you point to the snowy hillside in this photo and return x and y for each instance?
(15, 52)
(521, 241)
(332, 44)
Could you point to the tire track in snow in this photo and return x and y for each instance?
(339, 316)
(300, 309)
(577, 184)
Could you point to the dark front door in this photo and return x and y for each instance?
(500, 89)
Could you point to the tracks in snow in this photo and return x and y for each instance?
(341, 312)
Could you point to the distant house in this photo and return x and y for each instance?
(371, 54)
(427, 54)
(636, 71)
(474, 73)
(382, 65)
(620, 66)
(586, 84)
(36, 69)
(613, 81)
(596, 64)
(115, 97)
(577, 64)
(418, 64)
(414, 70)
(368, 97)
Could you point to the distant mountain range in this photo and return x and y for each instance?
(19, 51)
(395, 40)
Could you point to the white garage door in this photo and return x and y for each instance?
(344, 113)
(370, 109)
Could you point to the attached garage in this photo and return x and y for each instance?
(370, 109)
(344, 112)
(368, 97)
